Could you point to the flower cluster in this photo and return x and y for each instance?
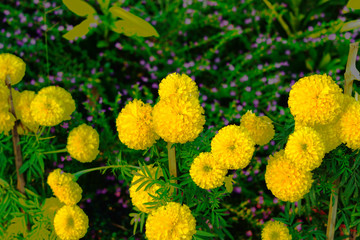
(83, 143)
(275, 231)
(177, 117)
(324, 118)
(172, 221)
(70, 221)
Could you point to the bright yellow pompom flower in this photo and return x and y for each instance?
(51, 106)
(22, 109)
(316, 99)
(178, 84)
(64, 187)
(12, 66)
(350, 126)
(135, 127)
(233, 147)
(4, 98)
(305, 149)
(7, 121)
(206, 171)
(284, 180)
(178, 119)
(50, 207)
(260, 129)
(142, 196)
(71, 223)
(275, 231)
(83, 143)
(171, 222)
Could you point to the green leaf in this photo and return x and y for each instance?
(102, 44)
(81, 29)
(355, 4)
(79, 7)
(324, 61)
(229, 183)
(204, 234)
(131, 25)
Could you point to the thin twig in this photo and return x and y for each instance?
(172, 160)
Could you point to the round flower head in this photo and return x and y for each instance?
(330, 135)
(180, 85)
(83, 143)
(171, 222)
(275, 231)
(22, 109)
(7, 121)
(284, 180)
(305, 149)
(316, 99)
(177, 119)
(62, 96)
(13, 66)
(134, 125)
(71, 223)
(350, 126)
(142, 196)
(206, 172)
(260, 129)
(51, 106)
(50, 207)
(233, 147)
(64, 187)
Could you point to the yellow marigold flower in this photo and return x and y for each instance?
(51, 106)
(350, 126)
(284, 180)
(305, 149)
(260, 129)
(71, 223)
(64, 187)
(7, 121)
(50, 207)
(83, 143)
(142, 196)
(171, 222)
(275, 231)
(62, 96)
(13, 66)
(134, 125)
(206, 172)
(233, 147)
(177, 119)
(176, 84)
(330, 134)
(316, 99)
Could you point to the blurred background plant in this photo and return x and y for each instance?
(244, 55)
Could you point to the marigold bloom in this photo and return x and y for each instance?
(260, 129)
(71, 223)
(4, 97)
(275, 231)
(13, 66)
(206, 172)
(316, 99)
(284, 180)
(134, 125)
(50, 207)
(83, 143)
(64, 187)
(330, 134)
(350, 126)
(7, 121)
(305, 149)
(171, 222)
(51, 106)
(142, 196)
(180, 85)
(233, 147)
(177, 119)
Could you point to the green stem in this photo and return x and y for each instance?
(56, 151)
(279, 18)
(172, 160)
(78, 174)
